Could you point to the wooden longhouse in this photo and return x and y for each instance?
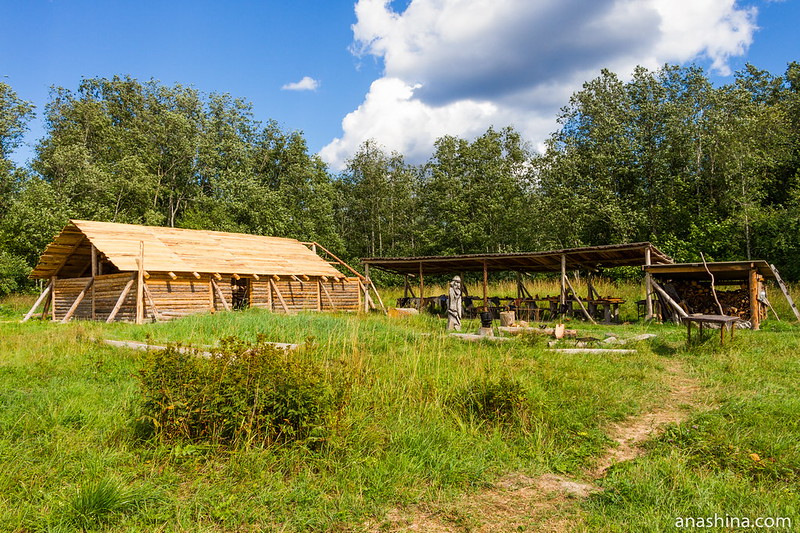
(109, 271)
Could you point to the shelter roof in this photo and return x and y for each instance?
(722, 270)
(585, 258)
(177, 250)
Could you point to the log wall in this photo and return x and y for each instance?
(306, 295)
(186, 295)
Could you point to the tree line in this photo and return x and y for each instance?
(664, 157)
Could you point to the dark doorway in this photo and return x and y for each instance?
(240, 293)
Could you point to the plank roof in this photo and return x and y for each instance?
(584, 258)
(179, 250)
(734, 271)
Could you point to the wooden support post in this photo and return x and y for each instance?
(755, 314)
(140, 285)
(648, 287)
(211, 307)
(220, 295)
(279, 295)
(319, 295)
(39, 300)
(53, 299)
(563, 298)
(421, 288)
(94, 275)
(121, 299)
(78, 301)
(485, 286)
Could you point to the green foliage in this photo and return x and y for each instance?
(13, 273)
(241, 395)
(501, 400)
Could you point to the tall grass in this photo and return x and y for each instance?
(427, 417)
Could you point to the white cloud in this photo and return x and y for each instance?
(459, 66)
(306, 84)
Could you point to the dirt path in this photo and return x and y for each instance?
(548, 503)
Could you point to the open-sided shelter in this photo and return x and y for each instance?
(587, 258)
(110, 271)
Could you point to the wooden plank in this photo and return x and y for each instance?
(580, 303)
(140, 284)
(149, 297)
(77, 301)
(39, 300)
(121, 299)
(755, 314)
(279, 295)
(669, 300)
(94, 276)
(330, 300)
(220, 295)
(785, 291)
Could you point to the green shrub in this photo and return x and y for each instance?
(503, 400)
(241, 395)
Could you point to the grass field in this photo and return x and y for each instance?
(405, 439)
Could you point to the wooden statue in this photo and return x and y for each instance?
(454, 305)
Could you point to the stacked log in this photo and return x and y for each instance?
(697, 297)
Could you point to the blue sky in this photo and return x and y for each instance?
(403, 72)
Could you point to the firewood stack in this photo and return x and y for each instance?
(697, 298)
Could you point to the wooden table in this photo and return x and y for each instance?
(724, 321)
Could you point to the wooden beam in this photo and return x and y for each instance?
(563, 298)
(485, 286)
(121, 299)
(53, 299)
(305, 278)
(580, 303)
(220, 295)
(172, 275)
(648, 287)
(196, 275)
(256, 277)
(276, 277)
(94, 275)
(61, 263)
(330, 300)
(39, 300)
(785, 291)
(152, 303)
(377, 294)
(140, 284)
(755, 311)
(421, 288)
(236, 276)
(319, 295)
(669, 300)
(77, 301)
(279, 295)
(217, 276)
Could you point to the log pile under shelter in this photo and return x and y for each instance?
(732, 288)
(108, 271)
